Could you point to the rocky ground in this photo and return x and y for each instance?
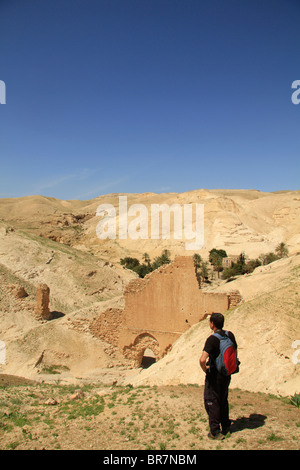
(53, 417)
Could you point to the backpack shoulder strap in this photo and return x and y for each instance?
(218, 335)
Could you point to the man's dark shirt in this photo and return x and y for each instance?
(212, 347)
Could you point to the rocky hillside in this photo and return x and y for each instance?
(76, 278)
(51, 241)
(81, 285)
(234, 220)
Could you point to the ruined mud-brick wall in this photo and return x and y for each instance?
(107, 325)
(158, 309)
(235, 298)
(166, 303)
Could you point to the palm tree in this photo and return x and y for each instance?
(146, 258)
(282, 250)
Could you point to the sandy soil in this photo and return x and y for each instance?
(52, 417)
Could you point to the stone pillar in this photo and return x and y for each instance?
(42, 301)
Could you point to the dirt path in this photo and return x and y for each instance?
(43, 416)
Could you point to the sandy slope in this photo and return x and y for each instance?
(76, 279)
(81, 286)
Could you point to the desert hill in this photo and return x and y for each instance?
(235, 220)
(52, 241)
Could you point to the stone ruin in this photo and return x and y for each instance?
(19, 292)
(158, 309)
(42, 302)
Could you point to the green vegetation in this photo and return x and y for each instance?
(216, 256)
(281, 250)
(295, 400)
(54, 369)
(274, 437)
(200, 268)
(216, 259)
(146, 267)
(241, 267)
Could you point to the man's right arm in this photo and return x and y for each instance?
(203, 360)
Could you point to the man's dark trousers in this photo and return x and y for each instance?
(216, 401)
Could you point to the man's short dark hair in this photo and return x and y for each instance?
(218, 320)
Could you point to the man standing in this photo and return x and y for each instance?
(216, 384)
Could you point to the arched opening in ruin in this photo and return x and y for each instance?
(148, 358)
(144, 350)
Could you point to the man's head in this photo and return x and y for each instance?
(216, 320)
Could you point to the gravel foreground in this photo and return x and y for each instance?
(40, 416)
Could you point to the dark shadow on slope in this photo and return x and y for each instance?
(55, 315)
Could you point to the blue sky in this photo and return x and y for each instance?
(106, 96)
